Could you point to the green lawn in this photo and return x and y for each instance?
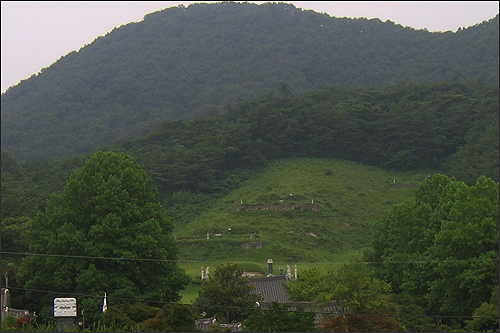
(352, 197)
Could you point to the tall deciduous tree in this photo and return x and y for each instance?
(364, 300)
(226, 294)
(172, 318)
(442, 247)
(107, 232)
(486, 316)
(352, 285)
(278, 318)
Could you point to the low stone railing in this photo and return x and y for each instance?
(309, 207)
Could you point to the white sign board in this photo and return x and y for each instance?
(64, 307)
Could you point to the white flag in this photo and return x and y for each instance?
(104, 304)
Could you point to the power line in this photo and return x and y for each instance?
(247, 308)
(254, 262)
(296, 213)
(91, 257)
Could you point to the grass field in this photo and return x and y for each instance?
(352, 197)
(193, 269)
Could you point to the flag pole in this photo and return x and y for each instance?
(104, 304)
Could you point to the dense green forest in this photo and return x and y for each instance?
(364, 151)
(435, 254)
(418, 128)
(441, 249)
(451, 127)
(342, 147)
(188, 62)
(404, 127)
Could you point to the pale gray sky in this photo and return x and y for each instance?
(35, 34)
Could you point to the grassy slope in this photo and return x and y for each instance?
(352, 196)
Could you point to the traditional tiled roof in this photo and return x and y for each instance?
(271, 288)
(205, 323)
(7, 311)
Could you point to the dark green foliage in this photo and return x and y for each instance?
(171, 318)
(187, 62)
(53, 327)
(412, 316)
(479, 156)
(442, 247)
(364, 300)
(352, 285)
(117, 316)
(361, 323)
(109, 209)
(226, 295)
(486, 316)
(14, 234)
(17, 191)
(145, 318)
(278, 318)
(27, 185)
(449, 126)
(405, 127)
(138, 312)
(9, 324)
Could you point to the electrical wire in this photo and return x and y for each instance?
(91, 257)
(241, 308)
(204, 261)
(247, 308)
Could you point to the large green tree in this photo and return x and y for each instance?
(364, 300)
(278, 318)
(172, 318)
(442, 247)
(107, 232)
(353, 285)
(486, 316)
(226, 294)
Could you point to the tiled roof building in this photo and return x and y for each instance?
(271, 288)
(7, 311)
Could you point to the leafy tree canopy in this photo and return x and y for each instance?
(363, 299)
(109, 220)
(172, 318)
(442, 247)
(226, 294)
(278, 318)
(452, 127)
(486, 316)
(352, 285)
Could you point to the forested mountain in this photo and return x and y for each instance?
(187, 62)
(450, 127)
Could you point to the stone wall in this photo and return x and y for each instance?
(405, 185)
(309, 207)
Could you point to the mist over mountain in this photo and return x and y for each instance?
(186, 62)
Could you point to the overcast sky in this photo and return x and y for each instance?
(36, 34)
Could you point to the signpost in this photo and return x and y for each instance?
(65, 312)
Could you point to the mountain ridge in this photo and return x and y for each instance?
(185, 62)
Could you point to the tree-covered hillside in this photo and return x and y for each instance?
(450, 127)
(186, 62)
(406, 127)
(298, 177)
